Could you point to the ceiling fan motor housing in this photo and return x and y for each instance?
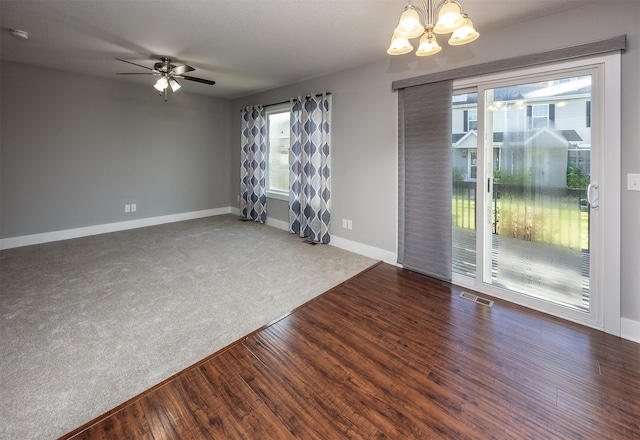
(165, 65)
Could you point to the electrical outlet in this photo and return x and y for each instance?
(344, 223)
(133, 207)
(349, 224)
(633, 182)
(127, 208)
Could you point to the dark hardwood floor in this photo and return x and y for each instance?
(393, 354)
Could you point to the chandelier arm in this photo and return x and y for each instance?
(429, 20)
(430, 9)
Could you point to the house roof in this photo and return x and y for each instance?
(530, 93)
(499, 137)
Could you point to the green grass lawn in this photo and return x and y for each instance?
(553, 220)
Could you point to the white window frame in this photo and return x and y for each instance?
(270, 110)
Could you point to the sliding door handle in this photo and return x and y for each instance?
(592, 195)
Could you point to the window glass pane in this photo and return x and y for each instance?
(540, 111)
(473, 119)
(278, 146)
(465, 167)
(540, 220)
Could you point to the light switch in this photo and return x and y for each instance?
(633, 182)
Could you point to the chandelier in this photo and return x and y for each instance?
(451, 20)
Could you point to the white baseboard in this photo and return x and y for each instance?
(279, 224)
(46, 237)
(630, 329)
(363, 249)
(348, 245)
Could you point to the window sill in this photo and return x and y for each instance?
(279, 195)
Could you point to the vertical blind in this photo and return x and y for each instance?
(425, 191)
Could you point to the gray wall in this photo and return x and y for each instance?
(365, 124)
(363, 151)
(75, 149)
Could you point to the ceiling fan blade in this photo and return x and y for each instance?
(193, 78)
(135, 64)
(141, 73)
(182, 68)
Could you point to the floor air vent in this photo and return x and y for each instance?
(477, 299)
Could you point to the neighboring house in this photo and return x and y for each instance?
(548, 134)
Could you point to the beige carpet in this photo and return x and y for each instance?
(86, 324)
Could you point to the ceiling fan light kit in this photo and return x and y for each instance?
(161, 84)
(169, 73)
(20, 34)
(451, 20)
(174, 84)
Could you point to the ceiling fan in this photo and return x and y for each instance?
(169, 74)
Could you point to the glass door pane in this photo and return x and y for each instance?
(538, 142)
(464, 155)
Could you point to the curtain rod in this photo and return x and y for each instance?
(315, 95)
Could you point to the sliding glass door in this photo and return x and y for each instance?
(540, 155)
(525, 212)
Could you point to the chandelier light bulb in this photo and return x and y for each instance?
(428, 45)
(399, 46)
(520, 104)
(409, 25)
(449, 19)
(465, 34)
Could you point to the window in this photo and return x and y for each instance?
(473, 119)
(470, 119)
(278, 151)
(539, 116)
(580, 158)
(473, 164)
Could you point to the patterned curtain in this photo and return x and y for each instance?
(309, 167)
(253, 158)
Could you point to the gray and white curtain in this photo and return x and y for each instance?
(309, 167)
(253, 158)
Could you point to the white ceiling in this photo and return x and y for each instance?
(244, 45)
